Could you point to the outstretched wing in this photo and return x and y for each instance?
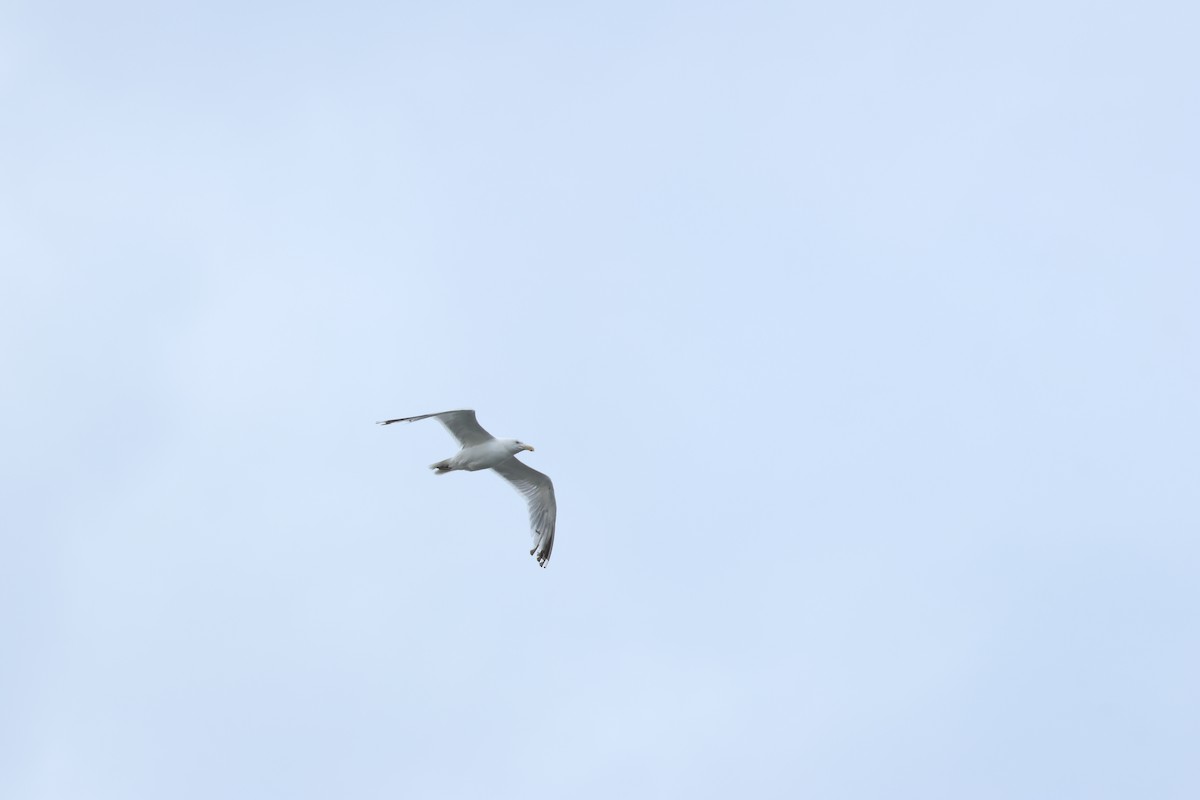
(539, 492)
(461, 424)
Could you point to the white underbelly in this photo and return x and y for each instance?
(480, 456)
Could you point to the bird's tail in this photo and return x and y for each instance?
(441, 467)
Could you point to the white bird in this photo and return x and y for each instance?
(481, 450)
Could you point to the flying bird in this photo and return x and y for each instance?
(481, 450)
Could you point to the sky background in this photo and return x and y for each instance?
(861, 341)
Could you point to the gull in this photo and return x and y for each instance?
(481, 450)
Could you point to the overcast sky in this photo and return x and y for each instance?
(861, 341)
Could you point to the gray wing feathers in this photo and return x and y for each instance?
(461, 424)
(543, 511)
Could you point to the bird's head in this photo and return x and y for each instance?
(517, 446)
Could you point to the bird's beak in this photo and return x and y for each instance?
(529, 447)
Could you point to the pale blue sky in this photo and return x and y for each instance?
(861, 341)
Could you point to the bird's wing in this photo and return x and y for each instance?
(461, 424)
(539, 492)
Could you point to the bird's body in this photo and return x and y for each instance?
(481, 450)
(485, 455)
